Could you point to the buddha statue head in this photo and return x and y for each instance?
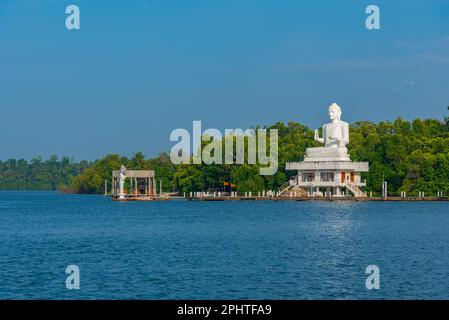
(334, 112)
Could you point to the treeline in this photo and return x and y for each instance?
(411, 156)
(37, 174)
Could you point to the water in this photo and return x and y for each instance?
(220, 250)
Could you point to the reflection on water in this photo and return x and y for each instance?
(220, 250)
(336, 217)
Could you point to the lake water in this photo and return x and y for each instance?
(220, 250)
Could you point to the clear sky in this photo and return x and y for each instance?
(139, 69)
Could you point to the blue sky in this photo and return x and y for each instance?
(139, 69)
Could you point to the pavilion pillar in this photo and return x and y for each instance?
(151, 186)
(154, 185)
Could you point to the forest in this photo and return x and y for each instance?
(411, 155)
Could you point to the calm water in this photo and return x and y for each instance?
(220, 250)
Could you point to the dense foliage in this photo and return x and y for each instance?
(37, 174)
(411, 156)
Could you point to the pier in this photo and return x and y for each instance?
(141, 198)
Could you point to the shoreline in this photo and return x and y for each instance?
(356, 199)
(353, 199)
(261, 198)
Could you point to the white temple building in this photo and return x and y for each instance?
(328, 171)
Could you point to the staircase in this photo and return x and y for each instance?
(285, 187)
(355, 190)
(290, 189)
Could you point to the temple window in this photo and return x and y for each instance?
(327, 176)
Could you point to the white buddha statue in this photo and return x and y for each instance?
(122, 178)
(335, 139)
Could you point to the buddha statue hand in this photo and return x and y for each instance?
(317, 137)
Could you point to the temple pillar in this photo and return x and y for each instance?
(337, 191)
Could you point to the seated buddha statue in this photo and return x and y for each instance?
(335, 138)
